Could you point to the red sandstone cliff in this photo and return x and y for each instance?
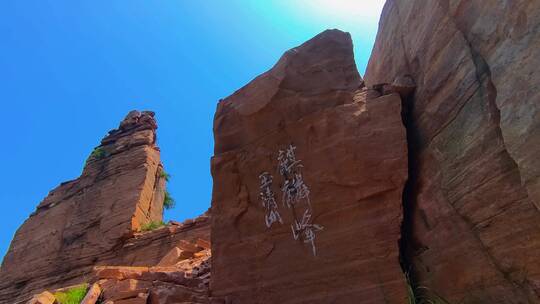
(92, 220)
(326, 189)
(472, 218)
(309, 169)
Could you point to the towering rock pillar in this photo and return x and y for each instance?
(309, 170)
(83, 221)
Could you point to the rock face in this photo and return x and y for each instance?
(327, 189)
(309, 170)
(149, 248)
(472, 204)
(84, 221)
(184, 280)
(169, 265)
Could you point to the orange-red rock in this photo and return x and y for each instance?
(86, 220)
(203, 243)
(92, 295)
(473, 123)
(350, 153)
(148, 248)
(174, 256)
(185, 282)
(115, 290)
(43, 298)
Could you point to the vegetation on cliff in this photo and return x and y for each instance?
(71, 296)
(152, 226)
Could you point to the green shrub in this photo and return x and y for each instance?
(168, 201)
(411, 296)
(165, 175)
(71, 296)
(97, 154)
(152, 226)
(422, 295)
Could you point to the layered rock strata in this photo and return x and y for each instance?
(85, 220)
(472, 233)
(182, 275)
(309, 170)
(184, 278)
(149, 248)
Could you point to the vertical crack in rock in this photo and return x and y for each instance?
(409, 193)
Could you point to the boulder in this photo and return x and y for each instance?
(118, 290)
(43, 298)
(92, 295)
(404, 86)
(174, 256)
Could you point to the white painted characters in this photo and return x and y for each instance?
(294, 193)
(268, 200)
(294, 189)
(287, 161)
(305, 230)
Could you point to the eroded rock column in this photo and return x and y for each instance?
(84, 220)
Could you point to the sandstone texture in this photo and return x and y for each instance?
(149, 248)
(185, 279)
(309, 171)
(92, 295)
(418, 184)
(43, 298)
(82, 222)
(472, 232)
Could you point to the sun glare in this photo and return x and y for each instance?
(344, 10)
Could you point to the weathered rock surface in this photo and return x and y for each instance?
(185, 280)
(149, 248)
(474, 136)
(85, 220)
(92, 295)
(43, 298)
(332, 235)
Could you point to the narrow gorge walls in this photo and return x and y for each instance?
(309, 170)
(473, 228)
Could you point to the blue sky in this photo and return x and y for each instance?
(71, 70)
